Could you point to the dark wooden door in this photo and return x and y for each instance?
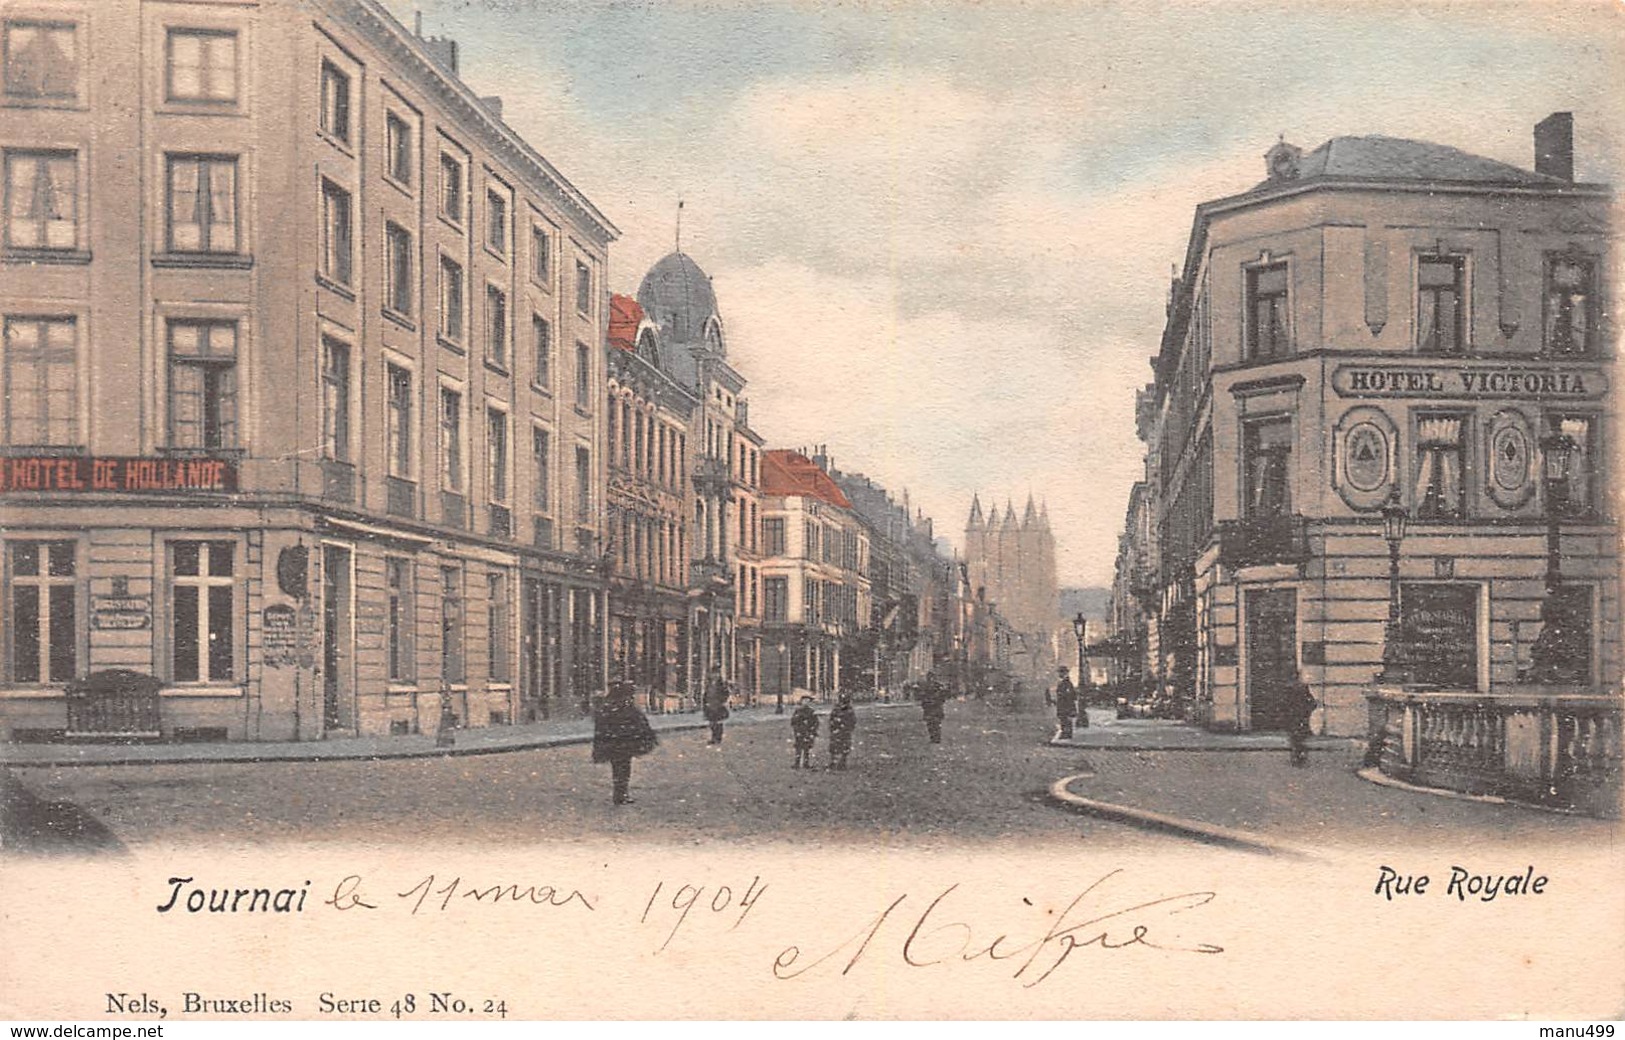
(1272, 655)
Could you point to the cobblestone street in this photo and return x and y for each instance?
(985, 783)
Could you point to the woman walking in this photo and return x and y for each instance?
(620, 733)
(842, 721)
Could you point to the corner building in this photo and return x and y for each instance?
(1383, 323)
(307, 349)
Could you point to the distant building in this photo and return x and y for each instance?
(1011, 563)
(815, 565)
(304, 380)
(1384, 324)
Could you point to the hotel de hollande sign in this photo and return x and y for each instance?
(76, 474)
(1485, 382)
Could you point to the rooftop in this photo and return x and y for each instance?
(789, 473)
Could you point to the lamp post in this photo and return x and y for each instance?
(1080, 628)
(1394, 519)
(1547, 656)
(784, 658)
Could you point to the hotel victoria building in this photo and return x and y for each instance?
(1384, 383)
(304, 370)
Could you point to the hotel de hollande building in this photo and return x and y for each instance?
(303, 359)
(1368, 359)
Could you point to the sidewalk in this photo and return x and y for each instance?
(488, 740)
(1108, 732)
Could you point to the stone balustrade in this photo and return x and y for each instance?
(1538, 744)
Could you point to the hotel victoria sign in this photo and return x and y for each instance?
(1484, 382)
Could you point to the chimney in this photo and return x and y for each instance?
(1554, 146)
(443, 50)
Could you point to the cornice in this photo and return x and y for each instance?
(369, 17)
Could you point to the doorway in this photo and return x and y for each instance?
(337, 713)
(1272, 656)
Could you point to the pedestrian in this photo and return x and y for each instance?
(716, 704)
(1066, 703)
(932, 696)
(804, 728)
(1300, 704)
(842, 721)
(620, 733)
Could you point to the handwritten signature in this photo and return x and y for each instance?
(936, 937)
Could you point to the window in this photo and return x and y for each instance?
(336, 228)
(451, 440)
(1571, 306)
(451, 189)
(496, 620)
(203, 384)
(1581, 490)
(398, 617)
(202, 198)
(583, 485)
(335, 102)
(809, 540)
(202, 66)
(43, 611)
(202, 598)
(451, 300)
(1268, 335)
(1440, 324)
(496, 222)
(541, 257)
(398, 149)
(41, 391)
(42, 200)
(1267, 456)
(1441, 460)
(809, 601)
(583, 288)
(541, 470)
(453, 668)
(541, 343)
(41, 60)
(399, 434)
(335, 399)
(583, 376)
(496, 326)
(398, 269)
(775, 599)
(496, 447)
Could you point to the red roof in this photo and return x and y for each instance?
(786, 472)
(624, 318)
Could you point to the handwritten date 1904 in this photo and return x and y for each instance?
(938, 938)
(713, 901)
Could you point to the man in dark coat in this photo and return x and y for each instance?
(1300, 705)
(620, 733)
(804, 728)
(842, 721)
(716, 704)
(932, 696)
(1066, 704)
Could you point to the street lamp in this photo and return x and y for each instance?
(784, 657)
(1394, 519)
(1547, 663)
(1080, 628)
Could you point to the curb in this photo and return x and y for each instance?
(385, 755)
(1060, 792)
(1374, 775)
(1335, 745)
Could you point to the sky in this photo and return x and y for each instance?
(941, 233)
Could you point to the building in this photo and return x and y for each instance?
(1386, 330)
(723, 467)
(816, 599)
(649, 498)
(303, 347)
(1013, 562)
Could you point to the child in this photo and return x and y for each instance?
(804, 726)
(842, 721)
